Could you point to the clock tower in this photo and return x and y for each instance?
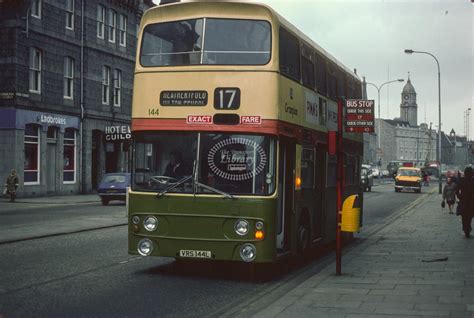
(408, 106)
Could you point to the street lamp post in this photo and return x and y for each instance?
(378, 102)
(438, 154)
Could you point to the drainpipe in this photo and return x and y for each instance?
(81, 132)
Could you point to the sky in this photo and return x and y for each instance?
(371, 36)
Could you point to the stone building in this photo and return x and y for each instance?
(66, 91)
(402, 139)
(455, 150)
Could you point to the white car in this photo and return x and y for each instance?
(375, 172)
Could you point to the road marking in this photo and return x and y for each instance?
(131, 260)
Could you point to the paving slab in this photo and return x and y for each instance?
(418, 265)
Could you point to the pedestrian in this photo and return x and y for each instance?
(465, 194)
(12, 184)
(449, 194)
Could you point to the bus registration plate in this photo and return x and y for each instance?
(195, 254)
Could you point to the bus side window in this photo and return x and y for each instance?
(289, 55)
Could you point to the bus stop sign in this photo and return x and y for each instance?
(359, 116)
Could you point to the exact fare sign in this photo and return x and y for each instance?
(359, 116)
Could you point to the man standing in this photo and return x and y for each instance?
(12, 184)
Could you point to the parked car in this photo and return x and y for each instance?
(385, 173)
(366, 179)
(113, 187)
(408, 178)
(376, 172)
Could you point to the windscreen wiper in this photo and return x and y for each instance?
(205, 186)
(172, 186)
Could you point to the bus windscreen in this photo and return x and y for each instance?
(204, 163)
(206, 41)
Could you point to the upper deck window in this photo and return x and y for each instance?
(206, 41)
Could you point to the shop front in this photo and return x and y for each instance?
(43, 148)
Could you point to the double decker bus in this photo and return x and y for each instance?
(231, 109)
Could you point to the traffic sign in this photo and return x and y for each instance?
(360, 116)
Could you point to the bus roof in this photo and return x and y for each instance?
(237, 9)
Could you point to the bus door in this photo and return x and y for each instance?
(286, 174)
(319, 218)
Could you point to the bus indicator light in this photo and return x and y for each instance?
(259, 235)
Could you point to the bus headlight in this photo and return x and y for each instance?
(145, 247)
(241, 227)
(150, 223)
(248, 252)
(259, 225)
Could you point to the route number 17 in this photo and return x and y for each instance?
(227, 98)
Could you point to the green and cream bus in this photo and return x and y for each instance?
(231, 109)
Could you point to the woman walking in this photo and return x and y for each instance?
(465, 193)
(449, 194)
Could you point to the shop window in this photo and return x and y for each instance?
(35, 8)
(35, 70)
(68, 77)
(117, 87)
(307, 168)
(70, 14)
(122, 27)
(69, 169)
(111, 25)
(100, 21)
(105, 85)
(32, 151)
(289, 55)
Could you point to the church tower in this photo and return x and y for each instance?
(408, 106)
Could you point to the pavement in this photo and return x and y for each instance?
(103, 217)
(418, 265)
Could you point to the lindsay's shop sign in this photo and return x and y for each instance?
(114, 133)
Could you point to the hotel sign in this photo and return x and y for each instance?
(117, 133)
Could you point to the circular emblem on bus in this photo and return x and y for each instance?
(236, 159)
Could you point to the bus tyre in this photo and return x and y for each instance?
(105, 201)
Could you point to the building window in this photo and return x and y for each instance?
(122, 30)
(35, 70)
(117, 86)
(69, 169)
(105, 85)
(52, 133)
(35, 8)
(100, 21)
(32, 151)
(68, 77)
(70, 14)
(112, 20)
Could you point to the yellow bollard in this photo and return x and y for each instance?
(350, 216)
